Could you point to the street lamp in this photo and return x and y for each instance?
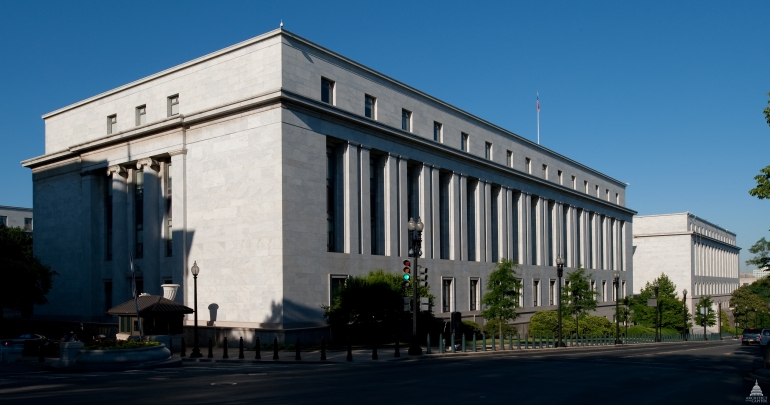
(415, 228)
(196, 352)
(560, 273)
(616, 281)
(684, 311)
(656, 286)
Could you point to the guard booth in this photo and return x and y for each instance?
(161, 320)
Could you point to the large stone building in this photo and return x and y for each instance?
(16, 217)
(694, 253)
(294, 167)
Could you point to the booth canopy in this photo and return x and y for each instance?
(150, 305)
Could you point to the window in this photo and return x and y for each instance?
(335, 285)
(558, 173)
(108, 297)
(141, 115)
(545, 172)
(173, 105)
(597, 191)
(169, 212)
(28, 224)
(607, 192)
(552, 293)
(585, 185)
(108, 219)
(370, 107)
(535, 293)
(470, 215)
(3, 220)
(528, 165)
(437, 136)
(112, 124)
(617, 198)
(604, 291)
(593, 285)
(614, 293)
(574, 183)
(443, 205)
(509, 158)
(332, 187)
(327, 91)
(488, 151)
(446, 295)
(138, 214)
(520, 293)
(474, 294)
(406, 120)
(376, 205)
(464, 142)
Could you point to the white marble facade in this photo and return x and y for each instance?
(246, 155)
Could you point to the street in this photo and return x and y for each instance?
(666, 373)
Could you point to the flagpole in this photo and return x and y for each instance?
(538, 117)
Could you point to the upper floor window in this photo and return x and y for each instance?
(327, 91)
(597, 191)
(370, 107)
(558, 173)
(488, 151)
(509, 158)
(406, 120)
(3, 220)
(27, 224)
(112, 124)
(545, 172)
(141, 115)
(607, 192)
(528, 165)
(585, 186)
(464, 142)
(437, 129)
(574, 183)
(173, 105)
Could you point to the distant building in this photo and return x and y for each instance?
(759, 273)
(747, 278)
(16, 217)
(694, 253)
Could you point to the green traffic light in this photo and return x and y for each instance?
(406, 276)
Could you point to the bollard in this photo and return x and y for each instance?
(547, 341)
(518, 341)
(474, 342)
(211, 349)
(427, 351)
(296, 350)
(493, 343)
(257, 348)
(323, 348)
(183, 353)
(541, 340)
(398, 351)
(463, 343)
(483, 342)
(171, 345)
(510, 341)
(452, 342)
(440, 344)
(224, 354)
(40, 358)
(526, 341)
(275, 348)
(375, 356)
(350, 351)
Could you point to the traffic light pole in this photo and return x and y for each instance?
(414, 347)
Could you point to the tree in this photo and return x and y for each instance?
(761, 252)
(673, 311)
(547, 323)
(25, 280)
(747, 304)
(767, 111)
(762, 190)
(577, 296)
(502, 297)
(710, 317)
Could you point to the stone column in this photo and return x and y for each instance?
(435, 199)
(121, 288)
(510, 229)
(503, 223)
(454, 217)
(463, 205)
(90, 244)
(558, 229)
(366, 214)
(487, 239)
(151, 225)
(525, 205)
(391, 206)
(352, 198)
(179, 272)
(403, 217)
(628, 246)
(617, 247)
(424, 209)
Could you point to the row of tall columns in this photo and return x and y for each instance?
(715, 262)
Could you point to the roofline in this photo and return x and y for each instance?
(282, 31)
(690, 215)
(7, 207)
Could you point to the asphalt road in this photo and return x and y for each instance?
(668, 373)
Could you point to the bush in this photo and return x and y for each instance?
(545, 323)
(120, 344)
(470, 328)
(492, 328)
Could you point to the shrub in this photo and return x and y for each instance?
(492, 328)
(545, 323)
(470, 328)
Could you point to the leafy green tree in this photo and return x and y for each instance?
(547, 323)
(760, 288)
(767, 111)
(725, 321)
(502, 297)
(577, 296)
(25, 280)
(761, 252)
(493, 327)
(673, 312)
(710, 317)
(747, 304)
(762, 190)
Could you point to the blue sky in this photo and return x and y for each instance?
(666, 96)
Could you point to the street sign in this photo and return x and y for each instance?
(407, 303)
(704, 311)
(652, 302)
(424, 304)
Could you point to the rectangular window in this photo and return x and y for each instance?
(327, 91)
(488, 151)
(335, 286)
(406, 120)
(558, 173)
(141, 115)
(574, 183)
(474, 294)
(545, 172)
(112, 124)
(446, 295)
(464, 142)
(139, 214)
(520, 293)
(376, 206)
(494, 231)
(3, 220)
(413, 191)
(437, 129)
(169, 212)
(617, 198)
(108, 296)
(552, 293)
(528, 165)
(509, 158)
(622, 289)
(333, 196)
(597, 191)
(604, 291)
(443, 206)
(607, 192)
(173, 105)
(535, 293)
(614, 293)
(28, 224)
(585, 186)
(370, 107)
(108, 218)
(593, 285)
(471, 219)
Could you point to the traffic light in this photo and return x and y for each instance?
(407, 272)
(423, 278)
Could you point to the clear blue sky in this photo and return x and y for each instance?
(666, 96)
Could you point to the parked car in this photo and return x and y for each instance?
(764, 337)
(33, 341)
(750, 335)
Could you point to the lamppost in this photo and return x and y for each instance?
(559, 274)
(684, 311)
(616, 281)
(719, 317)
(415, 228)
(656, 286)
(196, 352)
